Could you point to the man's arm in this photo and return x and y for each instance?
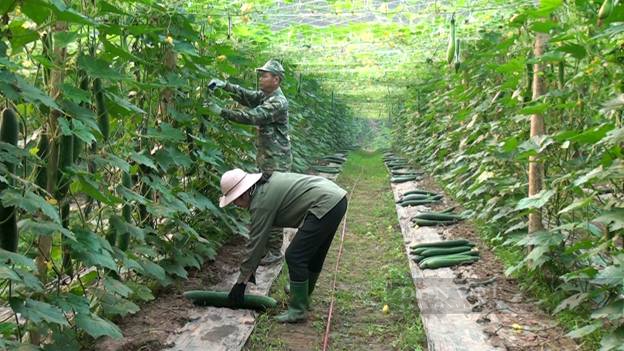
(261, 224)
(249, 98)
(259, 115)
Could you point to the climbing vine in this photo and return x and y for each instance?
(110, 164)
(473, 132)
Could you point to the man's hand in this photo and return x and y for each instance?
(216, 83)
(236, 296)
(213, 108)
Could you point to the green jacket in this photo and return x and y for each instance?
(270, 114)
(284, 201)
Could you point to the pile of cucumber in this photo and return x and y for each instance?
(433, 218)
(444, 253)
(418, 197)
(400, 169)
(336, 158)
(220, 299)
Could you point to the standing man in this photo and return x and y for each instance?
(268, 110)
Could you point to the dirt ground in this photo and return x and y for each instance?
(148, 329)
(510, 319)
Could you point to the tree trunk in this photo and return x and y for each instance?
(536, 166)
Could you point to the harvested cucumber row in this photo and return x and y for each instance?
(220, 299)
(334, 159)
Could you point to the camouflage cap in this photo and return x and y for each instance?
(272, 66)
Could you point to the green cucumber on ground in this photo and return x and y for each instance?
(437, 251)
(431, 223)
(445, 243)
(403, 179)
(421, 192)
(438, 216)
(421, 197)
(220, 299)
(434, 262)
(9, 131)
(418, 202)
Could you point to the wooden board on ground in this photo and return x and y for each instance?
(225, 329)
(447, 317)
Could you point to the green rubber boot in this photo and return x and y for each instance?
(297, 304)
(313, 277)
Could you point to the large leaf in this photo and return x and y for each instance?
(38, 311)
(30, 202)
(97, 326)
(613, 218)
(536, 201)
(613, 340)
(98, 68)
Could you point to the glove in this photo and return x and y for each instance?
(216, 83)
(236, 297)
(214, 108)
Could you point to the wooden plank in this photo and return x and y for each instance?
(447, 317)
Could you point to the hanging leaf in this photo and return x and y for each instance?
(536, 201)
(38, 311)
(97, 327)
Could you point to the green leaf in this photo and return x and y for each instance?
(17, 259)
(537, 201)
(91, 188)
(21, 36)
(167, 132)
(96, 326)
(30, 202)
(586, 330)
(613, 340)
(140, 291)
(43, 227)
(592, 135)
(62, 39)
(612, 311)
(571, 302)
(612, 276)
(577, 51)
(115, 305)
(36, 10)
(613, 218)
(74, 94)
(117, 287)
(38, 311)
(153, 270)
(578, 203)
(537, 108)
(98, 68)
(143, 159)
(124, 103)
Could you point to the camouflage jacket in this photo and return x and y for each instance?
(270, 116)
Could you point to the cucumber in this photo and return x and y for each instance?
(446, 261)
(438, 216)
(126, 213)
(101, 109)
(446, 243)
(418, 202)
(437, 251)
(450, 50)
(422, 192)
(421, 197)
(418, 258)
(9, 235)
(431, 223)
(403, 179)
(39, 173)
(448, 210)
(220, 299)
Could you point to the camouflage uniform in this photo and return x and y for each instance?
(270, 114)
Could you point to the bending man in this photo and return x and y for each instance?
(286, 200)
